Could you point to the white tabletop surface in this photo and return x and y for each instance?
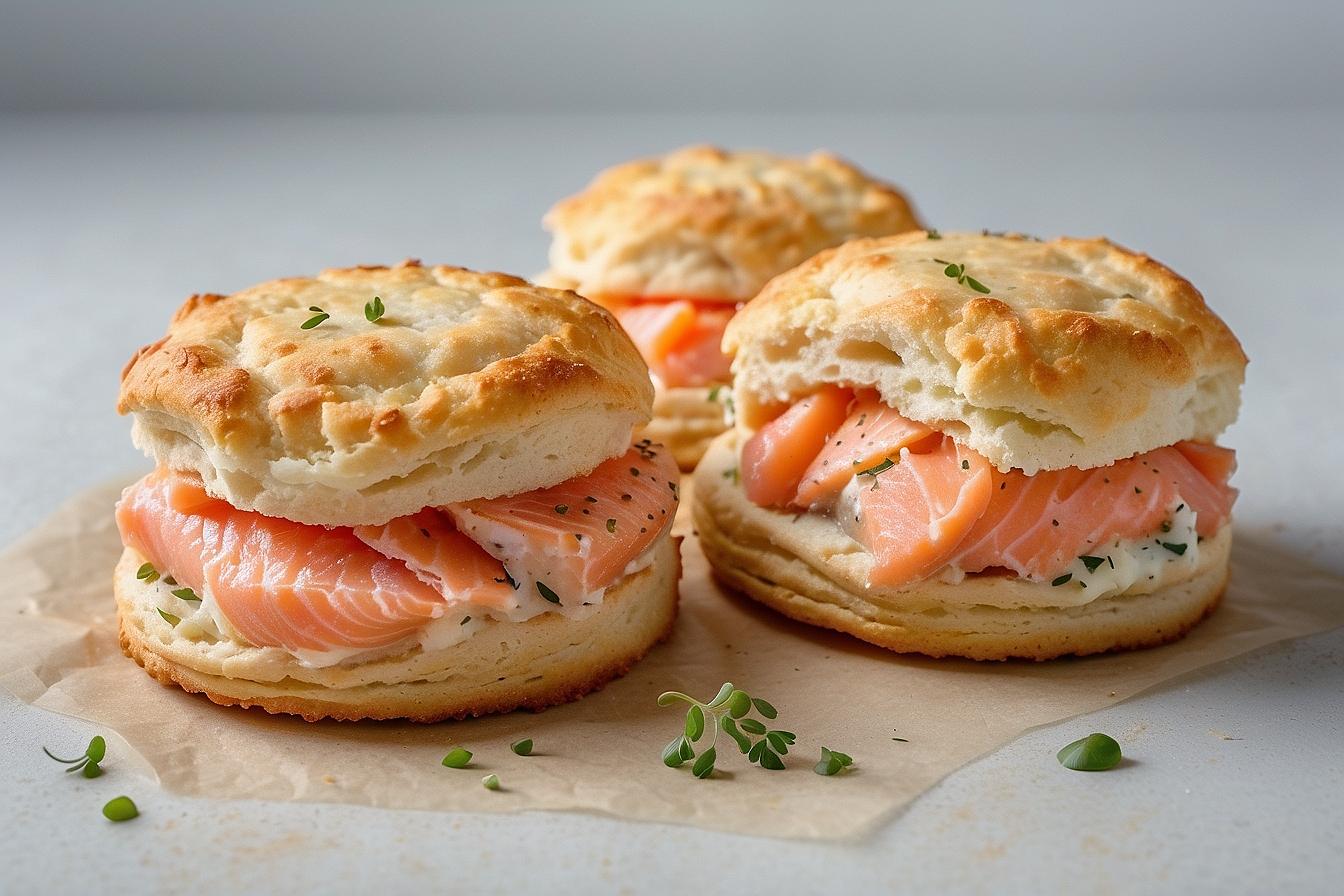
(108, 223)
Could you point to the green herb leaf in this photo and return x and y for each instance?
(754, 754)
(186, 594)
(739, 704)
(315, 319)
(562, 508)
(458, 758)
(1177, 549)
(1092, 562)
(780, 740)
(770, 760)
(490, 782)
(672, 757)
(97, 749)
(714, 393)
(120, 809)
(832, 762)
(522, 747)
(722, 697)
(547, 593)
(695, 722)
(933, 234)
(1061, 580)
(765, 709)
(169, 618)
(611, 525)
(879, 468)
(752, 726)
(147, 573)
(954, 270)
(704, 765)
(91, 769)
(730, 728)
(977, 285)
(1094, 753)
(374, 310)
(687, 752)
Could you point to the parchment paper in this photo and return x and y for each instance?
(58, 650)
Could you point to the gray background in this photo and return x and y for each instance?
(690, 56)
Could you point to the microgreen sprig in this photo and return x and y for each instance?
(833, 762)
(374, 310)
(316, 319)
(1094, 753)
(958, 272)
(457, 758)
(88, 763)
(727, 712)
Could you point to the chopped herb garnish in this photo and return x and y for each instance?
(958, 272)
(315, 319)
(879, 468)
(186, 594)
(547, 593)
(933, 234)
(1092, 562)
(147, 573)
(522, 747)
(634, 471)
(1094, 753)
(466, 619)
(727, 712)
(562, 508)
(832, 762)
(169, 580)
(611, 526)
(1177, 549)
(1137, 490)
(714, 393)
(88, 763)
(120, 809)
(490, 782)
(374, 310)
(965, 465)
(170, 618)
(458, 758)
(733, 475)
(1061, 580)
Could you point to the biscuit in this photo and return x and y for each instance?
(803, 566)
(546, 660)
(470, 385)
(707, 223)
(1038, 355)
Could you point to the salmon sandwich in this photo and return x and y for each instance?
(978, 445)
(674, 245)
(402, 492)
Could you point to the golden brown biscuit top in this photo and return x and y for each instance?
(1040, 355)
(456, 368)
(703, 222)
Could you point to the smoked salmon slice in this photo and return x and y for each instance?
(873, 432)
(442, 557)
(278, 583)
(776, 457)
(679, 339)
(919, 509)
(568, 541)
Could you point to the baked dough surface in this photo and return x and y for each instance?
(708, 223)
(471, 385)
(1082, 352)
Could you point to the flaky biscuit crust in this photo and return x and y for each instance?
(1081, 352)
(802, 566)
(470, 385)
(704, 222)
(546, 660)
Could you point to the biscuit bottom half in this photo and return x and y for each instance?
(546, 660)
(803, 566)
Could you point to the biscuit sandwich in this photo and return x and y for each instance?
(674, 245)
(405, 492)
(978, 445)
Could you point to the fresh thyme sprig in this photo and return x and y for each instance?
(958, 272)
(728, 712)
(316, 319)
(88, 763)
